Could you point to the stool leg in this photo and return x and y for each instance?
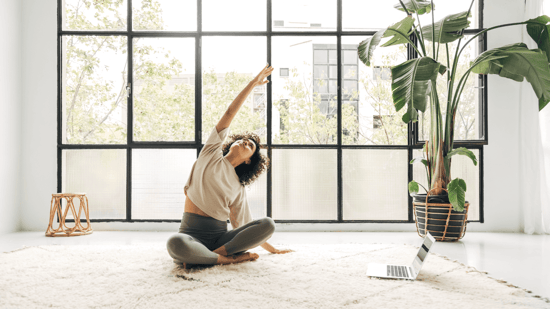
(84, 205)
(52, 215)
(70, 205)
(67, 230)
(77, 224)
(55, 207)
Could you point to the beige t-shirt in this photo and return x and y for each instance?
(213, 185)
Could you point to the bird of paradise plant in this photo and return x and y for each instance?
(413, 81)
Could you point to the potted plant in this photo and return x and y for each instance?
(414, 81)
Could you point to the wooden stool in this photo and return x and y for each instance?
(63, 230)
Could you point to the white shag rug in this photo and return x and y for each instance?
(314, 276)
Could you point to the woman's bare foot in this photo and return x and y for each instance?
(237, 258)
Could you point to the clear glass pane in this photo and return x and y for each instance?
(101, 174)
(257, 194)
(94, 15)
(229, 64)
(158, 177)
(375, 184)
(170, 15)
(304, 15)
(164, 89)
(362, 15)
(373, 120)
(235, 15)
(94, 79)
(445, 8)
(304, 184)
(469, 116)
(461, 167)
(298, 116)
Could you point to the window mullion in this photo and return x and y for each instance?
(340, 194)
(269, 182)
(130, 113)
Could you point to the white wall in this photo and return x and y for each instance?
(39, 129)
(10, 115)
(502, 202)
(39, 156)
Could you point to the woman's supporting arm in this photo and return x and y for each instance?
(233, 109)
(272, 249)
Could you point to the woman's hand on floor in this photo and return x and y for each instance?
(274, 250)
(277, 251)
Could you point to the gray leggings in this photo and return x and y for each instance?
(199, 236)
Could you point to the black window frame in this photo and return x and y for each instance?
(413, 136)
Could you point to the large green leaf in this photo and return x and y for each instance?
(404, 26)
(516, 61)
(419, 159)
(457, 193)
(367, 47)
(540, 32)
(411, 83)
(464, 152)
(415, 6)
(413, 187)
(448, 29)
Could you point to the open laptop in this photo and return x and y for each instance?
(399, 271)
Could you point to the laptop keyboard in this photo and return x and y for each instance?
(398, 271)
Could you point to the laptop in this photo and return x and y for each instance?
(409, 272)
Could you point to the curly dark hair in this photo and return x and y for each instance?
(259, 163)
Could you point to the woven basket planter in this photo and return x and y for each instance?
(434, 214)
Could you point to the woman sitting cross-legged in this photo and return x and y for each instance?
(216, 191)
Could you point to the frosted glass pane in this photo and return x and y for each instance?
(164, 101)
(375, 184)
(257, 194)
(461, 167)
(304, 184)
(158, 177)
(172, 15)
(101, 174)
(304, 15)
(235, 15)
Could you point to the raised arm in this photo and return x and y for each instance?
(233, 109)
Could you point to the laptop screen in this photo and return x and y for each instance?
(423, 252)
(424, 249)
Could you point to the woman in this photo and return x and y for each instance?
(215, 191)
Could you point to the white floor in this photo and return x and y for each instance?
(522, 260)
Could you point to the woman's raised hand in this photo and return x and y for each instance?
(261, 79)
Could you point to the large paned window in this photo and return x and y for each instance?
(143, 82)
